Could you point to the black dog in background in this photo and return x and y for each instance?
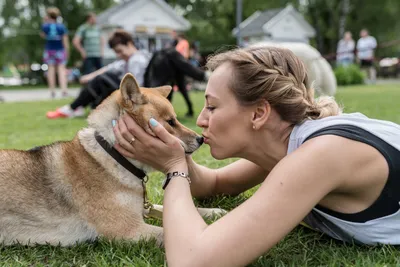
(167, 66)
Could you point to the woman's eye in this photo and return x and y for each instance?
(209, 108)
(171, 122)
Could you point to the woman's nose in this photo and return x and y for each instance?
(201, 120)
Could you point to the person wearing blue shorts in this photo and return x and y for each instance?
(56, 50)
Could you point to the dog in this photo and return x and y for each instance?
(75, 191)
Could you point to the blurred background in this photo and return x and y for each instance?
(208, 25)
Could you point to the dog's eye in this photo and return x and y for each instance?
(171, 122)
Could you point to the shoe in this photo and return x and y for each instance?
(79, 112)
(53, 95)
(63, 112)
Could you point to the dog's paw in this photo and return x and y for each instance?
(208, 213)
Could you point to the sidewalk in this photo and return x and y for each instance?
(33, 94)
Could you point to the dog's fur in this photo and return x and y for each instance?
(74, 191)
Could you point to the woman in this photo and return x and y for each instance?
(345, 50)
(315, 164)
(56, 50)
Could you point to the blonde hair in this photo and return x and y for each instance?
(278, 76)
(53, 12)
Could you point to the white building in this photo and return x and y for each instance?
(280, 25)
(150, 21)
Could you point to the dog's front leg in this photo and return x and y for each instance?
(206, 213)
(115, 221)
(148, 232)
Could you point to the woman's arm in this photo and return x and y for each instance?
(86, 78)
(232, 179)
(292, 189)
(65, 40)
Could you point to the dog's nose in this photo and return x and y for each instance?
(200, 139)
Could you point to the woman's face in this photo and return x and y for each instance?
(124, 51)
(226, 125)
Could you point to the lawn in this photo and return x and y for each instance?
(23, 125)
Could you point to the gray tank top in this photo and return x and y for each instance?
(380, 230)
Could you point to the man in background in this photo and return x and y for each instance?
(90, 44)
(183, 47)
(366, 46)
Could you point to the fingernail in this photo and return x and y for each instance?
(153, 122)
(114, 122)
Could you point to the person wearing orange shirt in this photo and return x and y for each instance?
(182, 46)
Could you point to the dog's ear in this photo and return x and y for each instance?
(164, 90)
(130, 90)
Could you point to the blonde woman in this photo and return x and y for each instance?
(338, 173)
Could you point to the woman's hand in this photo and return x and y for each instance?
(163, 152)
(85, 79)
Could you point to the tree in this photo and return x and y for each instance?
(22, 25)
(213, 21)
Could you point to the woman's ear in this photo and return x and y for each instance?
(261, 114)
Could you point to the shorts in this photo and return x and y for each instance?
(366, 63)
(54, 57)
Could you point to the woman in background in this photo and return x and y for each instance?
(56, 50)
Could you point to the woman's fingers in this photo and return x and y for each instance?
(124, 131)
(129, 128)
(123, 151)
(122, 140)
(161, 132)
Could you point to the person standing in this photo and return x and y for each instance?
(366, 46)
(345, 50)
(56, 50)
(90, 44)
(183, 47)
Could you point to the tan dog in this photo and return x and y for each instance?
(75, 191)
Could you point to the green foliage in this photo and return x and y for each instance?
(379, 17)
(23, 39)
(349, 75)
(213, 21)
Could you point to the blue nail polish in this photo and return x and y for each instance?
(114, 122)
(153, 122)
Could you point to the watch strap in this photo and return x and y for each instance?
(171, 175)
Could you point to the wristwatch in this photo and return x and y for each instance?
(171, 175)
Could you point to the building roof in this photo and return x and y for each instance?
(253, 25)
(103, 18)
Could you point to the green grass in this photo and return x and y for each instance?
(23, 125)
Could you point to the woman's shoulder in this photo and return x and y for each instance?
(303, 130)
(385, 130)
